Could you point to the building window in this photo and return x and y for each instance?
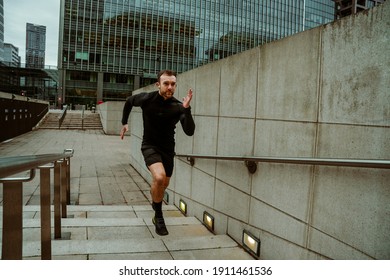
(80, 76)
(122, 79)
(82, 56)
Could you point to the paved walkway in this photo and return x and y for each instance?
(110, 215)
(100, 170)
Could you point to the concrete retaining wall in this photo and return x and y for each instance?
(111, 115)
(321, 93)
(19, 114)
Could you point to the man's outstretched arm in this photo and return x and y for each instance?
(134, 100)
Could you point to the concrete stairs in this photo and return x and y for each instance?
(118, 232)
(50, 122)
(73, 120)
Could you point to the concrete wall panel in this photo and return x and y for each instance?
(183, 178)
(111, 116)
(234, 173)
(203, 188)
(207, 89)
(184, 143)
(206, 165)
(277, 222)
(235, 136)
(288, 78)
(187, 81)
(350, 141)
(231, 201)
(332, 248)
(275, 138)
(205, 138)
(352, 205)
(285, 187)
(239, 85)
(275, 249)
(356, 63)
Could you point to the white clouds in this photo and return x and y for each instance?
(43, 12)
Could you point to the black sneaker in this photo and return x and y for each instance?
(161, 229)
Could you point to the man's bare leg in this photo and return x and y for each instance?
(159, 184)
(160, 181)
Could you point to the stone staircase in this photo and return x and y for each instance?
(118, 232)
(73, 120)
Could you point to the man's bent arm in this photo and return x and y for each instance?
(187, 122)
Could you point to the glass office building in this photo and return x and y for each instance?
(318, 12)
(35, 45)
(108, 48)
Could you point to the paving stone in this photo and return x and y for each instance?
(134, 256)
(212, 254)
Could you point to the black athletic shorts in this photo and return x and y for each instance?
(153, 155)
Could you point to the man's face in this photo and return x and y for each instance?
(167, 86)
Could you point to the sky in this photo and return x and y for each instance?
(42, 12)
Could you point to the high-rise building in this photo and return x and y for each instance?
(11, 59)
(35, 45)
(1, 31)
(110, 47)
(11, 55)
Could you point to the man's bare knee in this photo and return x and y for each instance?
(159, 179)
(158, 173)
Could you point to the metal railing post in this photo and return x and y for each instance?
(12, 243)
(64, 191)
(68, 181)
(57, 200)
(62, 117)
(68, 151)
(82, 117)
(45, 212)
(12, 248)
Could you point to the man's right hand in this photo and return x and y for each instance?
(124, 129)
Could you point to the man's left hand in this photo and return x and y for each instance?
(187, 99)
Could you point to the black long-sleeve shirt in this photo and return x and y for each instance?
(159, 119)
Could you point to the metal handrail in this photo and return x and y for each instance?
(62, 117)
(82, 117)
(20, 179)
(14, 165)
(12, 231)
(251, 161)
(43, 111)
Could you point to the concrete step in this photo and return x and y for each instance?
(178, 248)
(72, 120)
(126, 232)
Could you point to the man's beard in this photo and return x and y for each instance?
(167, 94)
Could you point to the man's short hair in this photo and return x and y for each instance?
(165, 72)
